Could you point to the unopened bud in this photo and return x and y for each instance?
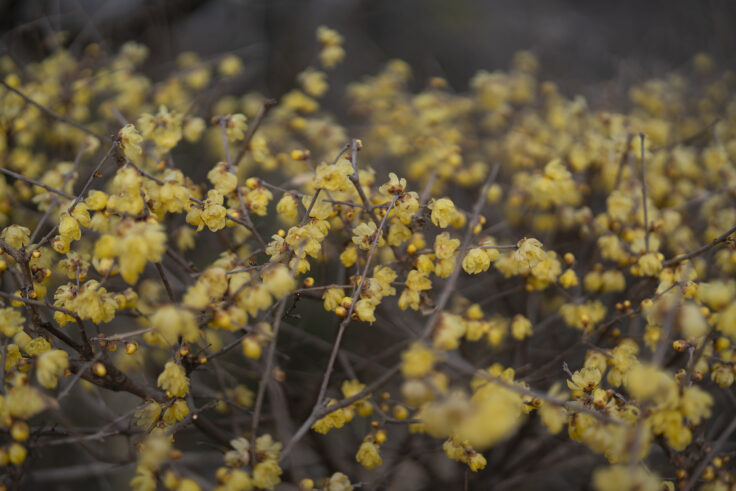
(99, 369)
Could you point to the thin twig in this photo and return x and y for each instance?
(644, 193)
(120, 337)
(51, 189)
(67, 177)
(55, 115)
(622, 161)
(695, 475)
(700, 250)
(265, 376)
(165, 281)
(77, 376)
(355, 179)
(450, 285)
(231, 169)
(314, 415)
(322, 411)
(252, 128)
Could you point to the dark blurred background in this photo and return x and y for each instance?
(578, 41)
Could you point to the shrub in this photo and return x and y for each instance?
(478, 270)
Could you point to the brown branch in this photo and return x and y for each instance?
(231, 169)
(320, 412)
(695, 475)
(252, 128)
(317, 409)
(684, 257)
(355, 179)
(21, 177)
(165, 281)
(81, 195)
(644, 193)
(116, 381)
(450, 285)
(52, 206)
(265, 376)
(55, 115)
(622, 161)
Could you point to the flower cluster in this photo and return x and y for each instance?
(526, 258)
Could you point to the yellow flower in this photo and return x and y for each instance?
(521, 327)
(257, 200)
(568, 279)
(417, 280)
(448, 332)
(224, 181)
(406, 206)
(240, 455)
(443, 212)
(338, 482)
(193, 128)
(51, 364)
(444, 246)
(417, 361)
(495, 413)
(368, 455)
(173, 195)
(585, 380)
(16, 236)
(267, 474)
(174, 380)
(69, 227)
(553, 417)
(332, 52)
(649, 264)
(24, 402)
(463, 452)
(91, 301)
(648, 383)
(147, 414)
(17, 453)
(476, 462)
(130, 141)
(364, 310)
(335, 419)
(333, 177)
(288, 207)
(529, 252)
(235, 127)
(625, 478)
(11, 322)
(164, 128)
(96, 200)
(583, 316)
(230, 65)
(476, 261)
(176, 412)
(696, 404)
(332, 298)
(313, 82)
(394, 185)
(267, 448)
(364, 235)
(279, 281)
(138, 242)
(12, 356)
(171, 322)
(213, 216)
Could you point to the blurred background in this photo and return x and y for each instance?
(578, 41)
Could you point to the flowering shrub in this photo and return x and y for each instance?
(475, 271)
